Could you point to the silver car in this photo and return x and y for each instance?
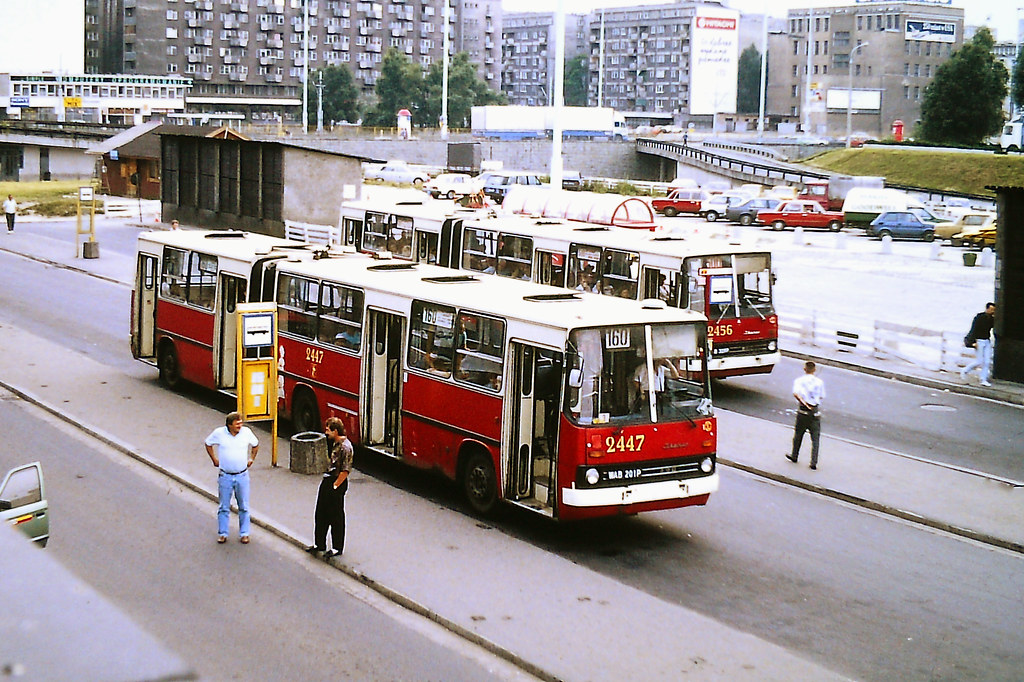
(23, 502)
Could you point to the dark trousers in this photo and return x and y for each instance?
(330, 513)
(10, 221)
(807, 422)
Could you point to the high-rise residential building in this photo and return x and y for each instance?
(528, 54)
(248, 56)
(680, 58)
(872, 60)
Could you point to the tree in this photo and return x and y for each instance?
(465, 90)
(341, 97)
(1017, 86)
(577, 77)
(400, 86)
(964, 102)
(748, 82)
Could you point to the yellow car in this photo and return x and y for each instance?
(967, 223)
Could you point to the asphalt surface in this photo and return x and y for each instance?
(486, 610)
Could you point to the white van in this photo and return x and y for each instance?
(864, 204)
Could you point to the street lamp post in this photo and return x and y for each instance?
(320, 101)
(849, 92)
(807, 76)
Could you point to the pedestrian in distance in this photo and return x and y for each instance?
(330, 497)
(174, 225)
(232, 449)
(10, 211)
(980, 338)
(809, 391)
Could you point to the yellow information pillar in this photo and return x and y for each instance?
(257, 366)
(91, 248)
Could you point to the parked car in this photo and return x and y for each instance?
(901, 225)
(497, 184)
(801, 213)
(745, 213)
(572, 180)
(715, 206)
(23, 502)
(978, 237)
(686, 200)
(450, 185)
(397, 171)
(968, 222)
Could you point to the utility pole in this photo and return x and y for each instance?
(446, 42)
(559, 97)
(849, 93)
(320, 101)
(807, 81)
(764, 68)
(305, 67)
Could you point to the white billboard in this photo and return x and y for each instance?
(931, 31)
(42, 35)
(714, 60)
(863, 100)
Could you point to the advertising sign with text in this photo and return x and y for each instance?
(714, 59)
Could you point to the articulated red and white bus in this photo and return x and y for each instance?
(729, 283)
(568, 404)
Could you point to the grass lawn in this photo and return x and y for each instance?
(961, 172)
(55, 198)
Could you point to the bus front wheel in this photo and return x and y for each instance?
(305, 413)
(480, 484)
(167, 363)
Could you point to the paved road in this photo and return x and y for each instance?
(265, 611)
(783, 572)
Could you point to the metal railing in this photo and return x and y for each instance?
(937, 351)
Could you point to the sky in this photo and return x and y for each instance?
(999, 15)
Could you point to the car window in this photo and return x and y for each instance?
(22, 488)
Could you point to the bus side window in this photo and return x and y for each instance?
(479, 352)
(172, 279)
(431, 337)
(297, 298)
(551, 268)
(341, 316)
(202, 280)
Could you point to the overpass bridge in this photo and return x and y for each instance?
(746, 163)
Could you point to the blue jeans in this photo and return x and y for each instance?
(982, 358)
(238, 484)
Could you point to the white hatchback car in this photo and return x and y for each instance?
(450, 186)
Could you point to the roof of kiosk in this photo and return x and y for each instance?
(589, 207)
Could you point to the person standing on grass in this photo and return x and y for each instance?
(11, 211)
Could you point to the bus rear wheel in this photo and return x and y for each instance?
(480, 484)
(167, 363)
(305, 413)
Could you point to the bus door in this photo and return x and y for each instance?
(533, 435)
(144, 324)
(426, 247)
(382, 395)
(232, 292)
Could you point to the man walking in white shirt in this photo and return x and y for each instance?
(809, 391)
(10, 211)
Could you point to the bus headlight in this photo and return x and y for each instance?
(706, 465)
(771, 346)
(593, 476)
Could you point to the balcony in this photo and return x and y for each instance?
(237, 77)
(273, 77)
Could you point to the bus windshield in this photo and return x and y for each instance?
(638, 374)
(736, 285)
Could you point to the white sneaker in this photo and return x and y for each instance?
(985, 383)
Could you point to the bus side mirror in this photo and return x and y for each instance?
(575, 378)
(5, 505)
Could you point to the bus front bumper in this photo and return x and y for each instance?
(641, 492)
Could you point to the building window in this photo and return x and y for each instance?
(906, 92)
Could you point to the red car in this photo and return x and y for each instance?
(683, 200)
(801, 213)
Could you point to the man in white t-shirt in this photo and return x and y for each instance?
(809, 391)
(10, 211)
(232, 449)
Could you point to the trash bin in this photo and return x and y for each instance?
(308, 453)
(970, 259)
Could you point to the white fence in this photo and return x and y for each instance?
(312, 233)
(937, 351)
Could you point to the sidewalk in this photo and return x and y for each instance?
(507, 595)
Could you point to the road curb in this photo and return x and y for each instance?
(277, 529)
(888, 510)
